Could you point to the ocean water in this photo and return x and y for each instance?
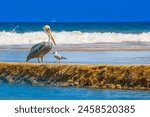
(74, 33)
(118, 27)
(27, 92)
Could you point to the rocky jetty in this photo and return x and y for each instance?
(78, 75)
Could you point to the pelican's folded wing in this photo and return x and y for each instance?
(37, 47)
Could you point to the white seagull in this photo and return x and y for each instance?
(58, 56)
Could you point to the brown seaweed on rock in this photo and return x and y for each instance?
(93, 76)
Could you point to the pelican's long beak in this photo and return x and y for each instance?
(50, 34)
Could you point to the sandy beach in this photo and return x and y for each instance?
(77, 75)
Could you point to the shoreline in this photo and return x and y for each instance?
(88, 47)
(102, 76)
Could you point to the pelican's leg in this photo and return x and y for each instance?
(38, 60)
(55, 61)
(42, 59)
(59, 61)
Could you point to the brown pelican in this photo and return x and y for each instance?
(40, 49)
(58, 56)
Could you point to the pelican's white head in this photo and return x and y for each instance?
(47, 29)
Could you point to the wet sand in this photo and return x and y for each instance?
(124, 46)
(77, 75)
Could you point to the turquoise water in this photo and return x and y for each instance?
(25, 92)
(127, 27)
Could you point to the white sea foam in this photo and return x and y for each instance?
(75, 37)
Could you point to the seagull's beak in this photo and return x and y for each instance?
(50, 34)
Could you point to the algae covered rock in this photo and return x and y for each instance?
(93, 76)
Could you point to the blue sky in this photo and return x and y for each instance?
(74, 10)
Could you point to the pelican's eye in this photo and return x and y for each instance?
(49, 28)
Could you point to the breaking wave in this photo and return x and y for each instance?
(74, 37)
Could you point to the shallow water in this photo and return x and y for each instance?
(8, 92)
(107, 57)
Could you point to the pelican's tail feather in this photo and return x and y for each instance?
(28, 58)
